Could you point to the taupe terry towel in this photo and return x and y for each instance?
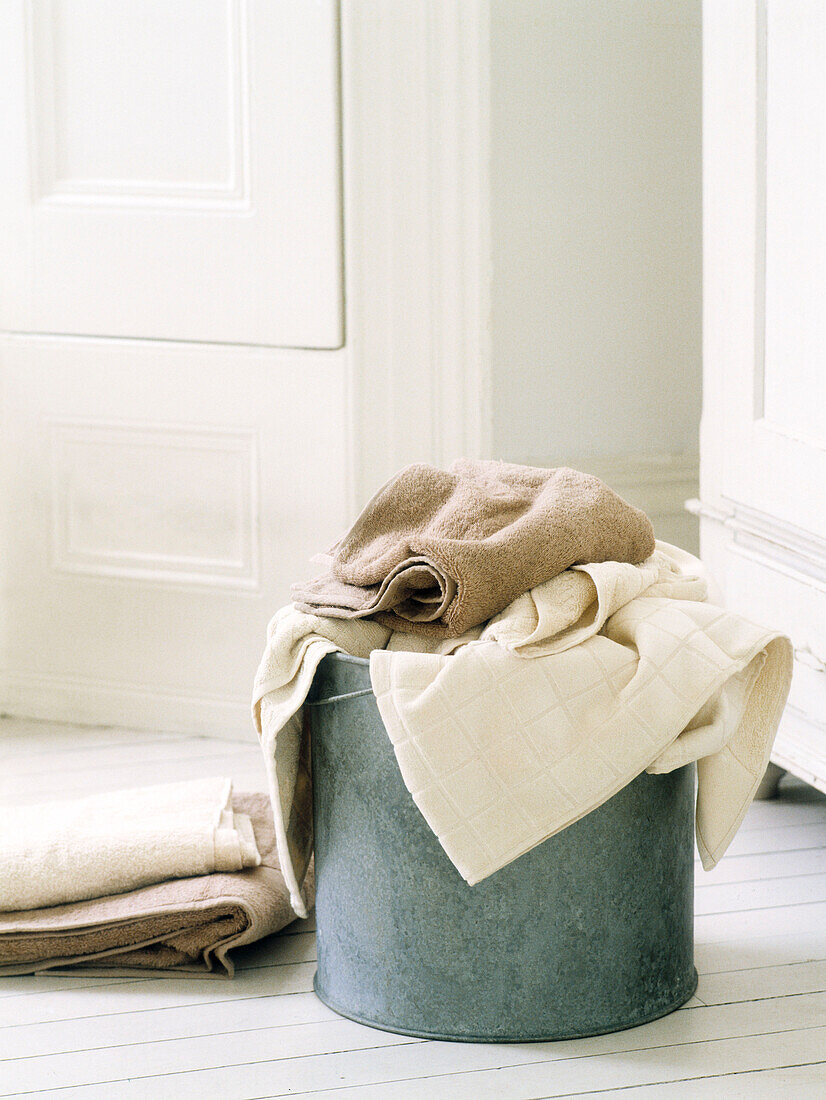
(186, 924)
(437, 552)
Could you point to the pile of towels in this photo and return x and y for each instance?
(169, 877)
(532, 650)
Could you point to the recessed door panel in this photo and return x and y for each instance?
(171, 170)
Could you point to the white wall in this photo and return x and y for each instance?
(596, 242)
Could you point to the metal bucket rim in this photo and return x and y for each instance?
(345, 658)
(340, 698)
(340, 655)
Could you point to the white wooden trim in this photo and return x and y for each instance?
(800, 747)
(414, 78)
(771, 541)
(240, 574)
(754, 471)
(87, 701)
(415, 134)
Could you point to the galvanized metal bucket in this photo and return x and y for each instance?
(590, 932)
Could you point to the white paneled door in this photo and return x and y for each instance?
(157, 501)
(777, 393)
(172, 403)
(170, 170)
(763, 452)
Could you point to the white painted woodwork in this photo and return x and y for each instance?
(113, 516)
(158, 499)
(171, 170)
(793, 399)
(416, 122)
(160, 494)
(756, 1027)
(763, 444)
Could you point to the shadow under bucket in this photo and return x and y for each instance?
(590, 932)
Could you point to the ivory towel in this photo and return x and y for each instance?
(437, 552)
(500, 750)
(66, 851)
(296, 642)
(510, 732)
(185, 924)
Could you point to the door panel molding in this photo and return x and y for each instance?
(161, 184)
(54, 185)
(102, 635)
(417, 252)
(123, 503)
(775, 544)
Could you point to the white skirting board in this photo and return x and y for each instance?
(86, 701)
(800, 748)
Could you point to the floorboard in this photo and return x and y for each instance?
(756, 1026)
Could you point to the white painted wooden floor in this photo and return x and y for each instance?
(756, 1027)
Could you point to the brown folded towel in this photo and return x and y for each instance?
(437, 552)
(186, 924)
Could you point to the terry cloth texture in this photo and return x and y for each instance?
(437, 552)
(187, 924)
(509, 733)
(66, 851)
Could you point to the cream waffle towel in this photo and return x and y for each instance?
(67, 851)
(510, 732)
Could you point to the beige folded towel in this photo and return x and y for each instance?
(504, 745)
(64, 851)
(437, 552)
(186, 924)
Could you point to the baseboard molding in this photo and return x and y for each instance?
(800, 747)
(85, 701)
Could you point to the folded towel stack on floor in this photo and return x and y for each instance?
(170, 877)
(532, 650)
(110, 843)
